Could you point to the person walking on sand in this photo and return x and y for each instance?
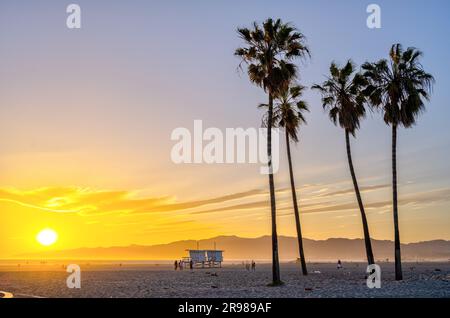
(180, 264)
(191, 265)
(175, 265)
(253, 266)
(339, 264)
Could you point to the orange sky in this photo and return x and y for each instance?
(85, 217)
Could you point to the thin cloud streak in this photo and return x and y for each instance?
(90, 203)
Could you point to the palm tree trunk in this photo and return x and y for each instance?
(297, 216)
(398, 258)
(276, 280)
(367, 241)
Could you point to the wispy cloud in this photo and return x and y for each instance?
(87, 201)
(351, 190)
(92, 202)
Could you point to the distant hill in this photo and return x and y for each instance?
(237, 248)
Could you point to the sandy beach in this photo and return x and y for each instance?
(144, 280)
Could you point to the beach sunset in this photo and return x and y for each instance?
(224, 149)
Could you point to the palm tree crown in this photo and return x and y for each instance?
(289, 111)
(269, 53)
(399, 85)
(342, 96)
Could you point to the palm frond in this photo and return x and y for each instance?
(342, 96)
(399, 88)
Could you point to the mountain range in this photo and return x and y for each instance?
(238, 248)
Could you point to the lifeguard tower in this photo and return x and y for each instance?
(205, 258)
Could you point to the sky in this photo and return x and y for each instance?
(86, 117)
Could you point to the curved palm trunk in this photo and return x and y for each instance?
(276, 280)
(367, 241)
(297, 216)
(398, 258)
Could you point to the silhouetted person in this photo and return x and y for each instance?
(191, 264)
(175, 265)
(253, 266)
(339, 264)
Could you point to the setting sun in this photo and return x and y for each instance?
(47, 237)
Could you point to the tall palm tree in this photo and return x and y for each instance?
(288, 114)
(399, 87)
(269, 51)
(342, 97)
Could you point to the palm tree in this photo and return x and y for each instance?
(398, 87)
(288, 114)
(269, 51)
(342, 97)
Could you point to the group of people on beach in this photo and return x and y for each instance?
(180, 265)
(248, 266)
(251, 265)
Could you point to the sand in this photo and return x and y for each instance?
(114, 280)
